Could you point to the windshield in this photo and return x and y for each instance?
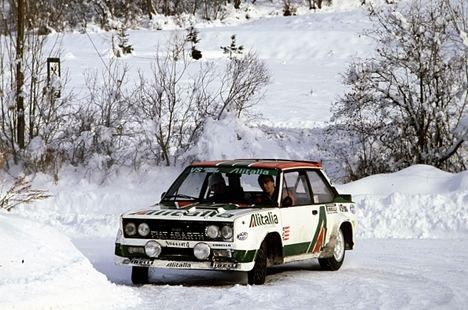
(238, 185)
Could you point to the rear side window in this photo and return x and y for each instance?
(321, 191)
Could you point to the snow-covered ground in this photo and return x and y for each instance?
(412, 242)
(411, 251)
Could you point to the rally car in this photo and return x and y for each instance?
(240, 215)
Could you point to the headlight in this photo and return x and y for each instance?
(212, 231)
(130, 229)
(152, 248)
(201, 251)
(226, 232)
(143, 229)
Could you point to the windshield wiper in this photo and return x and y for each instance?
(180, 196)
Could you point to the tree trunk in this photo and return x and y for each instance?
(150, 9)
(20, 75)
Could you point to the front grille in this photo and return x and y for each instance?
(175, 230)
(177, 254)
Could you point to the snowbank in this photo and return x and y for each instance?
(41, 268)
(85, 205)
(231, 138)
(417, 202)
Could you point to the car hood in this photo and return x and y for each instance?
(216, 212)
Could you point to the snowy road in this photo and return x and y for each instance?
(378, 274)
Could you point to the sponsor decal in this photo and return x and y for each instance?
(178, 235)
(178, 265)
(141, 261)
(332, 209)
(250, 171)
(286, 231)
(257, 219)
(224, 265)
(220, 245)
(179, 244)
(204, 169)
(319, 237)
(200, 213)
(243, 236)
(343, 208)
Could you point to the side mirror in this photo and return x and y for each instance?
(343, 198)
(286, 202)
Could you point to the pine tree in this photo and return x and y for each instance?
(192, 37)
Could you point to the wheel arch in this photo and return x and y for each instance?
(348, 235)
(274, 245)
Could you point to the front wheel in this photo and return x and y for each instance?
(139, 275)
(258, 274)
(335, 262)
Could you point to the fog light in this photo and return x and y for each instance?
(136, 250)
(201, 251)
(152, 248)
(222, 253)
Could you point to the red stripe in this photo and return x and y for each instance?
(319, 243)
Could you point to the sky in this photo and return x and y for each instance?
(412, 238)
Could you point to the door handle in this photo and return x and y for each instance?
(314, 212)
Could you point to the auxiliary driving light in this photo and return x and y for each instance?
(152, 248)
(201, 251)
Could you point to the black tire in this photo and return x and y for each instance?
(139, 275)
(334, 263)
(257, 275)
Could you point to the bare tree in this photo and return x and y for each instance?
(406, 104)
(241, 85)
(19, 193)
(172, 105)
(99, 131)
(42, 112)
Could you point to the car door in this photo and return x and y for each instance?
(301, 217)
(323, 199)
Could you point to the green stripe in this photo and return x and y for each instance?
(295, 249)
(244, 256)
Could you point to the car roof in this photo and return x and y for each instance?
(280, 164)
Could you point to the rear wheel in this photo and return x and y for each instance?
(258, 274)
(335, 262)
(139, 275)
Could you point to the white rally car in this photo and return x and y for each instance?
(222, 215)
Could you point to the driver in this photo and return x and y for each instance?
(218, 187)
(267, 183)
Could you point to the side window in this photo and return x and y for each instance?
(321, 192)
(295, 187)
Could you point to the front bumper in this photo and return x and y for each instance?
(194, 265)
(182, 257)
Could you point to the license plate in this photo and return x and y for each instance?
(223, 265)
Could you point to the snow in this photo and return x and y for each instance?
(412, 238)
(41, 268)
